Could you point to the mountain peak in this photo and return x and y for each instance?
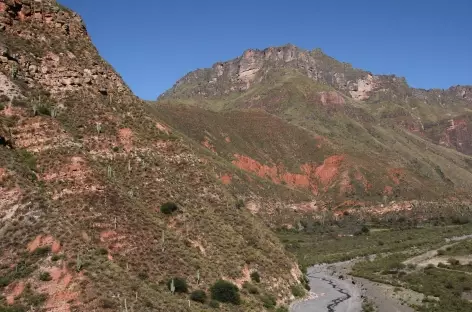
(255, 66)
(274, 63)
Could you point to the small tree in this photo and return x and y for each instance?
(180, 285)
(45, 276)
(255, 277)
(198, 296)
(268, 301)
(297, 291)
(168, 208)
(224, 291)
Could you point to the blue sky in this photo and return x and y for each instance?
(153, 43)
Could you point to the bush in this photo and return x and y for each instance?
(255, 277)
(143, 276)
(107, 303)
(239, 204)
(4, 281)
(251, 288)
(453, 261)
(56, 257)
(268, 301)
(224, 291)
(180, 285)
(198, 296)
(282, 309)
(441, 252)
(45, 276)
(42, 251)
(168, 208)
(305, 282)
(214, 304)
(44, 110)
(297, 291)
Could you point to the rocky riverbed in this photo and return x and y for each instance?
(333, 290)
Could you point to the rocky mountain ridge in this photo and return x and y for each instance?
(315, 124)
(81, 189)
(254, 65)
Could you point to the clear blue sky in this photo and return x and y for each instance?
(153, 43)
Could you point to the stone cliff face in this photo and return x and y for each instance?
(255, 66)
(65, 59)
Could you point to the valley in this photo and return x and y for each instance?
(280, 180)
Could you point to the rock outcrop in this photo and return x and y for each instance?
(255, 66)
(67, 62)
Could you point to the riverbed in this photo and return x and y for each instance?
(333, 290)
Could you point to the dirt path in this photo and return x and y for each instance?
(432, 256)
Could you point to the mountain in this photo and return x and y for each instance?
(345, 137)
(84, 171)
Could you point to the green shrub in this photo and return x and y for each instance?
(305, 282)
(12, 308)
(4, 281)
(252, 289)
(45, 276)
(198, 296)
(56, 257)
(297, 291)
(42, 251)
(281, 309)
(453, 261)
(180, 285)
(255, 277)
(102, 251)
(168, 208)
(44, 110)
(214, 304)
(240, 204)
(224, 291)
(17, 102)
(4, 98)
(107, 303)
(442, 265)
(143, 276)
(268, 301)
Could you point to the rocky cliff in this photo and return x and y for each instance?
(83, 178)
(255, 66)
